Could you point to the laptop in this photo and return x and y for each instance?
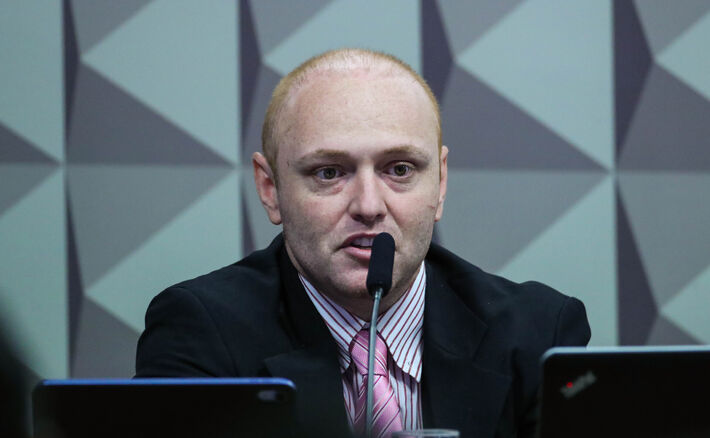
(626, 392)
(164, 407)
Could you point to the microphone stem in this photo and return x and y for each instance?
(371, 359)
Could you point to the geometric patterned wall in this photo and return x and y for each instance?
(578, 135)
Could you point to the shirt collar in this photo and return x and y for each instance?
(400, 326)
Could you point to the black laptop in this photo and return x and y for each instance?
(173, 408)
(649, 392)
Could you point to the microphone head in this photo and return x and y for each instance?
(379, 274)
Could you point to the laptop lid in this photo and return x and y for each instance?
(163, 407)
(626, 391)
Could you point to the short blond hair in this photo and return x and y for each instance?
(340, 60)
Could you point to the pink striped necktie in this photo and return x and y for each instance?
(385, 406)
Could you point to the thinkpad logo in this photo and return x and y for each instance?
(572, 388)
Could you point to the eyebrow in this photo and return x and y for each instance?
(335, 155)
(321, 154)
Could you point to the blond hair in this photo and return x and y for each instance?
(340, 60)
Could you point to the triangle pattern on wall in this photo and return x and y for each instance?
(190, 78)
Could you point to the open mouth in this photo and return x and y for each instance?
(362, 242)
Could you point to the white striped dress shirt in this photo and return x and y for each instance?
(401, 328)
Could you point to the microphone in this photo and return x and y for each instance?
(379, 273)
(379, 282)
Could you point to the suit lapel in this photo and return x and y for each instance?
(313, 364)
(319, 392)
(457, 393)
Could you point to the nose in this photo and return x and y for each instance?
(367, 203)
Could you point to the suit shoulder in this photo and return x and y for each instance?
(255, 275)
(494, 299)
(469, 278)
(244, 295)
(218, 324)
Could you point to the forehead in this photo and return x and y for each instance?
(347, 110)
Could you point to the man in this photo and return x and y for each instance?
(352, 147)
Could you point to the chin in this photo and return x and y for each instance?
(351, 291)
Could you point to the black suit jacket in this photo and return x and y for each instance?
(483, 338)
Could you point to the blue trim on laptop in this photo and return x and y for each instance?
(638, 349)
(233, 381)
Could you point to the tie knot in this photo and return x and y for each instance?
(359, 350)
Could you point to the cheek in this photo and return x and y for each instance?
(309, 216)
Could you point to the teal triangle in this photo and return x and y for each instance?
(189, 77)
(664, 21)
(557, 67)
(24, 177)
(195, 241)
(687, 56)
(689, 308)
(276, 20)
(669, 214)
(340, 24)
(115, 209)
(491, 215)
(31, 74)
(32, 276)
(94, 20)
(576, 256)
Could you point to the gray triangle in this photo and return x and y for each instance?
(265, 82)
(275, 20)
(663, 20)
(96, 19)
(636, 309)
(110, 126)
(670, 129)
(467, 21)
(489, 216)
(664, 332)
(105, 346)
(485, 130)
(669, 214)
(632, 62)
(249, 59)
(75, 293)
(14, 149)
(115, 209)
(24, 177)
(435, 51)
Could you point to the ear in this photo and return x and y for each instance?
(443, 179)
(266, 187)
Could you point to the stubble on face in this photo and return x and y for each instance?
(359, 125)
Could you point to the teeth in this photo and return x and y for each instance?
(365, 242)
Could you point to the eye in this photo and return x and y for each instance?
(328, 173)
(401, 170)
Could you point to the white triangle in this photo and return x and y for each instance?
(366, 24)
(689, 308)
(180, 59)
(205, 237)
(577, 256)
(32, 74)
(554, 58)
(33, 285)
(687, 56)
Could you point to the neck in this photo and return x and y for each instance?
(362, 308)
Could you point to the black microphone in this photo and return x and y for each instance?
(379, 282)
(379, 273)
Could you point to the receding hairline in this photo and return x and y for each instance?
(335, 61)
